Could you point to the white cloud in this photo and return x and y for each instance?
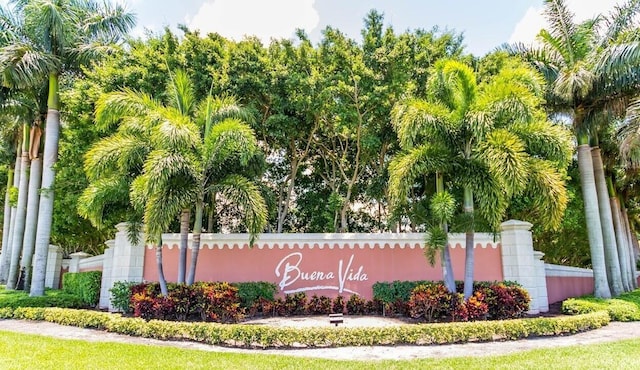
(533, 20)
(265, 19)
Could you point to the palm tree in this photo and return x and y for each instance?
(591, 68)
(45, 39)
(190, 152)
(490, 142)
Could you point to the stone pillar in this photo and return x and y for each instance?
(543, 301)
(128, 258)
(106, 283)
(518, 261)
(74, 265)
(54, 265)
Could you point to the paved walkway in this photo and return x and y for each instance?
(613, 332)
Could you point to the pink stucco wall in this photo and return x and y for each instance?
(560, 288)
(327, 271)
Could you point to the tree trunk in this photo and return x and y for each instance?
(621, 242)
(184, 243)
(445, 256)
(45, 210)
(21, 214)
(606, 222)
(283, 207)
(161, 280)
(469, 261)
(631, 244)
(594, 228)
(32, 221)
(195, 246)
(7, 222)
(6, 249)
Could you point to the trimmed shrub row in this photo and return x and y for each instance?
(254, 336)
(626, 307)
(85, 285)
(52, 298)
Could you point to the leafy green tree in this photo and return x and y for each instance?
(49, 38)
(490, 141)
(590, 68)
(183, 152)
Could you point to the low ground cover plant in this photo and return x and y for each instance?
(625, 307)
(51, 298)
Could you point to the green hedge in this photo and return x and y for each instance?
(238, 335)
(626, 307)
(251, 292)
(51, 298)
(85, 285)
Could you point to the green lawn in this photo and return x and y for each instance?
(20, 351)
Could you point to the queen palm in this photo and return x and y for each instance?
(591, 69)
(489, 141)
(45, 39)
(193, 150)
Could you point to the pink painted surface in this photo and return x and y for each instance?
(561, 288)
(322, 271)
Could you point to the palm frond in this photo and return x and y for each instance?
(106, 20)
(24, 65)
(100, 194)
(214, 109)
(548, 141)
(227, 139)
(488, 191)
(505, 156)
(175, 132)
(181, 92)
(406, 167)
(620, 19)
(246, 195)
(562, 26)
(120, 153)
(414, 119)
(547, 188)
(112, 107)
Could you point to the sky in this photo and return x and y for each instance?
(486, 24)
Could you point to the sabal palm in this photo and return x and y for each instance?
(44, 39)
(591, 69)
(490, 141)
(190, 151)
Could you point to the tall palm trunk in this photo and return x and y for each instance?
(592, 215)
(45, 209)
(32, 221)
(195, 246)
(445, 258)
(623, 248)
(606, 222)
(184, 242)
(21, 212)
(7, 221)
(161, 280)
(469, 261)
(6, 249)
(630, 239)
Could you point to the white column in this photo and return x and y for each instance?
(128, 258)
(106, 283)
(54, 265)
(543, 298)
(74, 265)
(518, 261)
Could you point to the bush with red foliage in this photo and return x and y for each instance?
(295, 304)
(431, 302)
(356, 305)
(319, 305)
(338, 305)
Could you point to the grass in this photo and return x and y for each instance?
(21, 351)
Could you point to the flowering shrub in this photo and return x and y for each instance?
(338, 305)
(296, 304)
